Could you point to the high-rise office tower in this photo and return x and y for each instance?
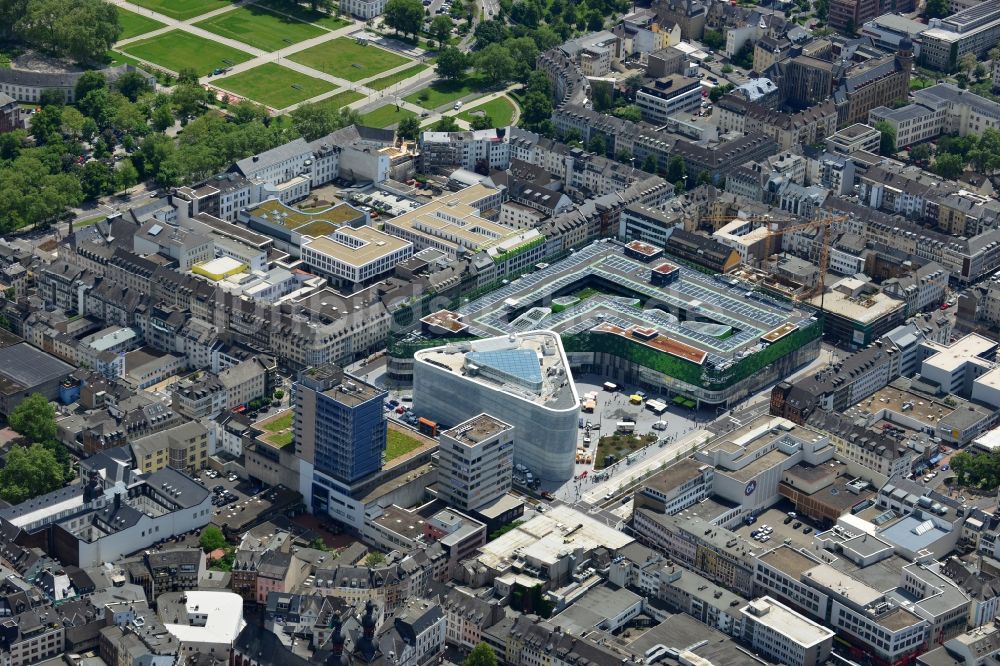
(340, 425)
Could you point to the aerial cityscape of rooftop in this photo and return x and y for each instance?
(499, 332)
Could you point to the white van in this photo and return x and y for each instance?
(625, 426)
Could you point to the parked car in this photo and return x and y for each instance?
(807, 530)
(787, 520)
(797, 524)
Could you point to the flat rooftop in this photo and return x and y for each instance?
(477, 429)
(969, 347)
(357, 246)
(27, 366)
(898, 619)
(202, 616)
(547, 537)
(328, 220)
(865, 308)
(844, 585)
(446, 320)
(674, 312)
(658, 342)
(911, 405)
(532, 366)
(784, 620)
(674, 475)
(789, 561)
(854, 131)
(454, 220)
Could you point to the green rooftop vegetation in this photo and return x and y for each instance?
(398, 443)
(329, 219)
(317, 228)
(279, 429)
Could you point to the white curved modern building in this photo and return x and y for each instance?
(522, 379)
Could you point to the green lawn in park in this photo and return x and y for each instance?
(500, 111)
(346, 59)
(402, 75)
(177, 50)
(341, 99)
(443, 92)
(304, 13)
(182, 9)
(134, 24)
(384, 116)
(260, 28)
(116, 58)
(274, 85)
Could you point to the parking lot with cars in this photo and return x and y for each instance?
(779, 524)
(226, 488)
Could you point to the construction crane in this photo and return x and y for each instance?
(795, 225)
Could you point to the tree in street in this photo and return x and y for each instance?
(451, 63)
(536, 112)
(34, 419)
(887, 142)
(96, 179)
(247, 112)
(82, 30)
(597, 145)
(89, 80)
(162, 118)
(408, 128)
(481, 121)
(481, 655)
(313, 121)
(125, 176)
(405, 16)
(632, 85)
(968, 63)
(716, 93)
(441, 29)
(446, 124)
(524, 53)
(132, 84)
(630, 112)
(921, 152)
(649, 164)
(211, 538)
(948, 165)
(490, 32)
(494, 63)
(189, 100)
(936, 9)
(713, 39)
(30, 472)
(188, 75)
(676, 169)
